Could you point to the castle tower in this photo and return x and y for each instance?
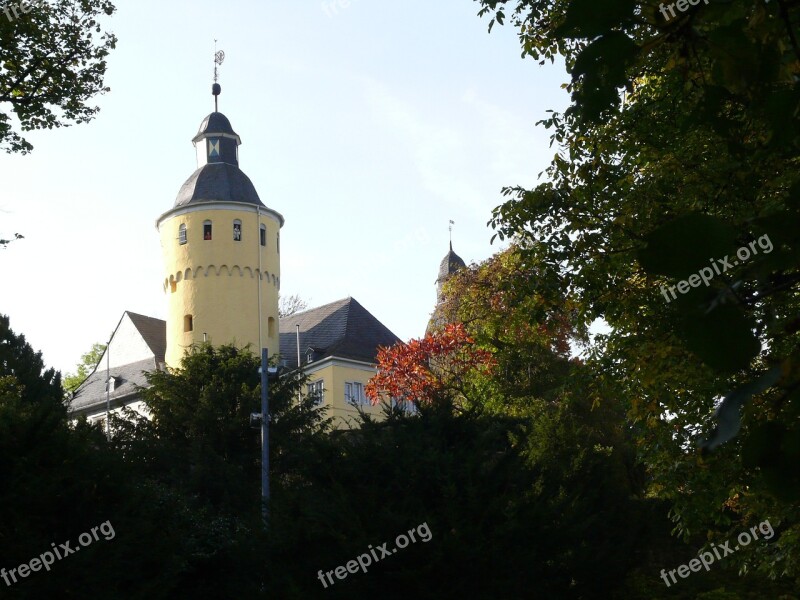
(221, 248)
(450, 264)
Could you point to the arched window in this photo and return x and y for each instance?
(182, 233)
(188, 324)
(271, 327)
(263, 234)
(237, 231)
(206, 230)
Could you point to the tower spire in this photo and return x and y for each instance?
(216, 89)
(450, 228)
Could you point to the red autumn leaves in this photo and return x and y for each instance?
(425, 368)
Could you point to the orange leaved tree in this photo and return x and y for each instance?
(434, 366)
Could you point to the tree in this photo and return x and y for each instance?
(58, 480)
(53, 59)
(34, 384)
(528, 333)
(4, 243)
(85, 367)
(680, 148)
(289, 305)
(424, 369)
(199, 449)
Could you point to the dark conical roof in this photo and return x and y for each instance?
(451, 263)
(218, 177)
(216, 122)
(218, 182)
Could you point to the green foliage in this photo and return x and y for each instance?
(53, 62)
(58, 481)
(529, 507)
(33, 384)
(527, 334)
(200, 452)
(85, 367)
(680, 146)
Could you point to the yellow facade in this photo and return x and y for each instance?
(216, 288)
(334, 373)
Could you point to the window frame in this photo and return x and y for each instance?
(316, 389)
(183, 238)
(237, 227)
(262, 234)
(352, 398)
(208, 230)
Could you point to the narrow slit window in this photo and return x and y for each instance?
(237, 231)
(207, 230)
(182, 233)
(278, 237)
(263, 234)
(188, 323)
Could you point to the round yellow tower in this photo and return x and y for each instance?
(221, 248)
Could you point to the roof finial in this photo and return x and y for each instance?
(450, 227)
(216, 89)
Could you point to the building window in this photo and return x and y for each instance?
(111, 384)
(207, 230)
(271, 327)
(354, 393)
(182, 233)
(278, 236)
(317, 392)
(263, 234)
(237, 231)
(188, 324)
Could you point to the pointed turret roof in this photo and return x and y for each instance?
(451, 263)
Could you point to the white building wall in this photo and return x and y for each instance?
(127, 346)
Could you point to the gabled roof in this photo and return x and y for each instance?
(91, 393)
(342, 329)
(154, 333)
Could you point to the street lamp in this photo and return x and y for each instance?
(267, 374)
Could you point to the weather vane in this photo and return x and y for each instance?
(216, 89)
(450, 228)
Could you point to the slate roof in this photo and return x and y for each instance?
(343, 329)
(92, 392)
(154, 333)
(451, 263)
(216, 122)
(218, 181)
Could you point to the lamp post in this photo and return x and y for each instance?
(267, 374)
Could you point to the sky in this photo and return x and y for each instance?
(367, 124)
